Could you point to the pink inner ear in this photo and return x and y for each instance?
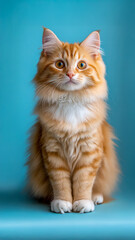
(50, 41)
(92, 43)
(95, 39)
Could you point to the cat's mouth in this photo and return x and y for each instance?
(70, 84)
(71, 81)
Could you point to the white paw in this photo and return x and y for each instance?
(97, 198)
(61, 206)
(83, 206)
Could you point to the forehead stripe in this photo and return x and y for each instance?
(67, 52)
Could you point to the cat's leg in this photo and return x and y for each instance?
(97, 191)
(83, 179)
(59, 175)
(97, 198)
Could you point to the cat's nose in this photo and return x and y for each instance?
(70, 74)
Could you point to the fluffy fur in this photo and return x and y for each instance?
(72, 160)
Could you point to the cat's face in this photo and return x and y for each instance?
(70, 67)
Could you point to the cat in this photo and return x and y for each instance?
(72, 161)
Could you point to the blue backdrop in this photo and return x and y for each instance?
(20, 41)
(21, 24)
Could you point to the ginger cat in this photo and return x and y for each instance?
(72, 160)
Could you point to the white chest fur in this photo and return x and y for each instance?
(73, 113)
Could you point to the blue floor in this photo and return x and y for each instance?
(24, 218)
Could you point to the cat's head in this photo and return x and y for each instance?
(72, 69)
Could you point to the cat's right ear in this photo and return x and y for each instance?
(50, 41)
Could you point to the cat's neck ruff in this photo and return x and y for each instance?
(70, 112)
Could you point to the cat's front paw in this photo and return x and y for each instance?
(83, 206)
(97, 198)
(61, 206)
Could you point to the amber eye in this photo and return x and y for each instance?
(59, 64)
(81, 65)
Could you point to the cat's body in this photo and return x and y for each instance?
(72, 159)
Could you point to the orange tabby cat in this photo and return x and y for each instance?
(71, 158)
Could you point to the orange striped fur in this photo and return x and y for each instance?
(71, 155)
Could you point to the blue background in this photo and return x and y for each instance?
(20, 39)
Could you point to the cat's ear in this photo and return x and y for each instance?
(50, 42)
(92, 44)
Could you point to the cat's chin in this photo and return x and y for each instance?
(71, 86)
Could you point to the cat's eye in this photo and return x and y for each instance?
(59, 64)
(81, 65)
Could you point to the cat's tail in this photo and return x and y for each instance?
(38, 181)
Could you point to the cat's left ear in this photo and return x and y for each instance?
(50, 41)
(92, 44)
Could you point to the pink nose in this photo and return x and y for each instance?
(70, 74)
